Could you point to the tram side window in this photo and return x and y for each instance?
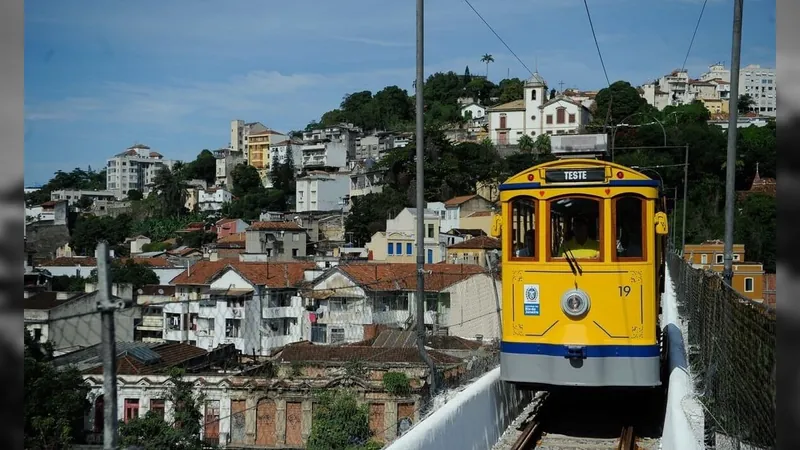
(629, 226)
(523, 227)
(575, 227)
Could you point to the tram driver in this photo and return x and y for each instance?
(527, 249)
(580, 245)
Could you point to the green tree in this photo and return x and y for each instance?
(509, 90)
(78, 179)
(197, 239)
(626, 101)
(89, 230)
(525, 143)
(756, 228)
(339, 423)
(152, 432)
(129, 272)
(66, 283)
(745, 103)
(245, 180)
(487, 58)
(368, 213)
(135, 195)
(204, 167)
(55, 400)
(170, 191)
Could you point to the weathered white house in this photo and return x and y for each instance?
(247, 304)
(459, 300)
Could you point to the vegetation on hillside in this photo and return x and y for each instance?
(340, 423)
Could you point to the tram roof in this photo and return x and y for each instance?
(536, 174)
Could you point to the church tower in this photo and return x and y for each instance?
(535, 96)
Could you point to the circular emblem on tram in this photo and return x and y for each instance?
(531, 293)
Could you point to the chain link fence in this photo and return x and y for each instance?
(731, 352)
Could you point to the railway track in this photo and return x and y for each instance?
(588, 421)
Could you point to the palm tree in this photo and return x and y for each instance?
(525, 143)
(487, 58)
(170, 192)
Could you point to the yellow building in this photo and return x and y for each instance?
(478, 220)
(716, 105)
(472, 251)
(748, 277)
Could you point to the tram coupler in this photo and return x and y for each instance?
(576, 352)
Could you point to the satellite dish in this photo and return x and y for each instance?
(140, 291)
(161, 292)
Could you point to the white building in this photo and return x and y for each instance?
(473, 111)
(761, 84)
(251, 305)
(73, 195)
(213, 199)
(135, 168)
(670, 90)
(227, 160)
(240, 131)
(716, 71)
(374, 145)
(535, 115)
(366, 180)
(322, 191)
(398, 244)
(459, 300)
(343, 136)
(322, 154)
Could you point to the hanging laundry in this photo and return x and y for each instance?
(312, 317)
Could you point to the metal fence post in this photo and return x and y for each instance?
(106, 305)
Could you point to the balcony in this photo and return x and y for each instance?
(282, 312)
(151, 323)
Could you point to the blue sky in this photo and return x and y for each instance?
(101, 75)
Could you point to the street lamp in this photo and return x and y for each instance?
(622, 123)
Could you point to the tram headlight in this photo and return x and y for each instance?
(575, 303)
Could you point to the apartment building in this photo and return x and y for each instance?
(322, 191)
(275, 241)
(374, 145)
(246, 304)
(398, 244)
(213, 199)
(258, 151)
(459, 300)
(760, 83)
(135, 168)
(364, 179)
(227, 160)
(240, 134)
(343, 136)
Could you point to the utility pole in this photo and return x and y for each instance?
(685, 199)
(107, 306)
(730, 178)
(420, 296)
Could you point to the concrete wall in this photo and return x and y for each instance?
(682, 424)
(474, 419)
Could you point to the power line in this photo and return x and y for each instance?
(696, 27)
(594, 35)
(498, 36)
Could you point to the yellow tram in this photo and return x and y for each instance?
(583, 268)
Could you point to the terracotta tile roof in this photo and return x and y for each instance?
(156, 262)
(510, 106)
(323, 353)
(232, 240)
(480, 242)
(275, 226)
(402, 276)
(48, 204)
(224, 221)
(273, 275)
(73, 261)
(455, 201)
(171, 354)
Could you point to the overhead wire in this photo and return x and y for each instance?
(498, 36)
(696, 27)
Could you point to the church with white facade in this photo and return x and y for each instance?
(535, 115)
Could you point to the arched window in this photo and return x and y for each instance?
(630, 231)
(576, 227)
(522, 228)
(533, 94)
